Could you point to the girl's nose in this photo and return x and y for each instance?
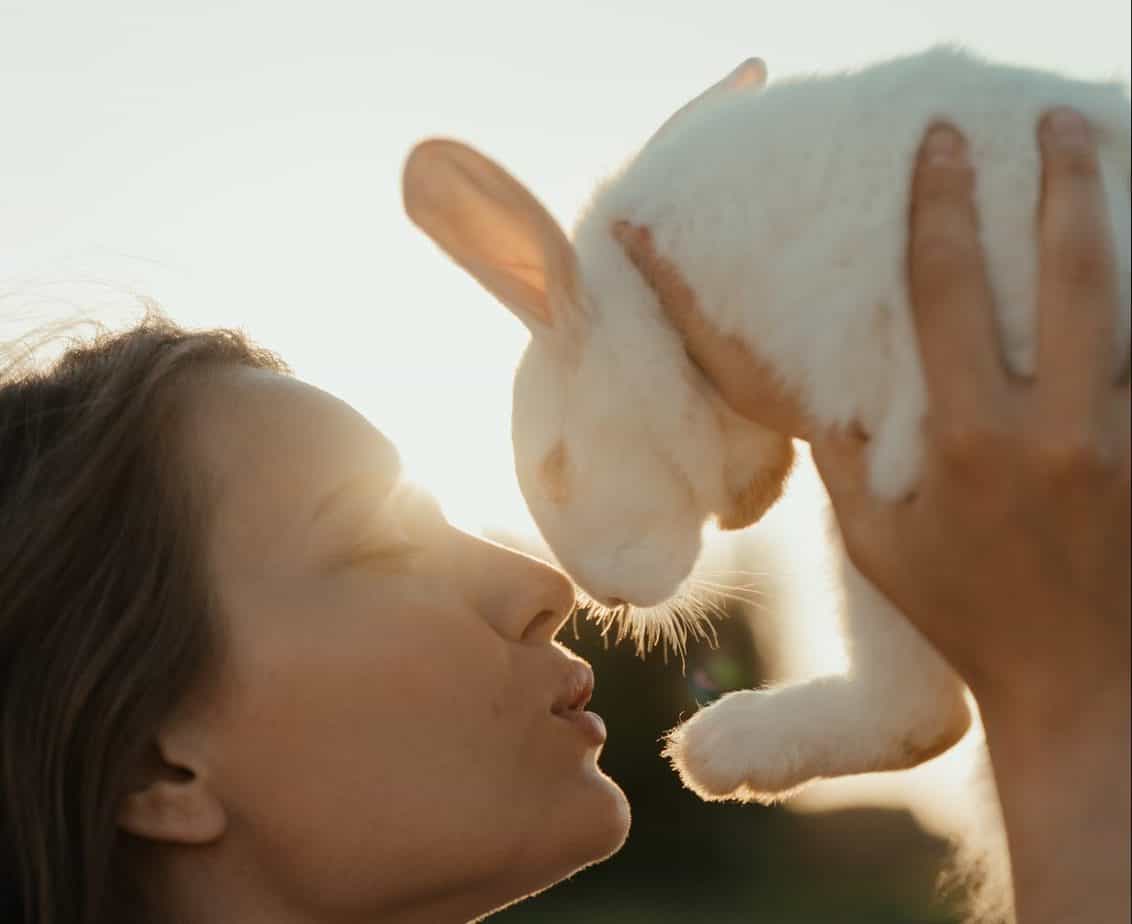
(526, 600)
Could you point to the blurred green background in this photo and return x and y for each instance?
(691, 861)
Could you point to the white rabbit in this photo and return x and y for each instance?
(786, 212)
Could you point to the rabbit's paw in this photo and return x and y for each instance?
(737, 748)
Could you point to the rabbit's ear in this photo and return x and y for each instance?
(487, 222)
(750, 75)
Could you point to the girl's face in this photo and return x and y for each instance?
(385, 737)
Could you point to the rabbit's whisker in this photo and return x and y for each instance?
(669, 625)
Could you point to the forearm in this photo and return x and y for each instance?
(1064, 787)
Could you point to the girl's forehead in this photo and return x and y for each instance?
(273, 448)
(267, 417)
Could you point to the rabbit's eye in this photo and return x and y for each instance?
(552, 474)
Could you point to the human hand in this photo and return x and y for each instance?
(741, 377)
(1013, 555)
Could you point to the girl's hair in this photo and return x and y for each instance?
(104, 603)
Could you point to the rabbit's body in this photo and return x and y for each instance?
(786, 212)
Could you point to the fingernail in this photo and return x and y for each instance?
(624, 231)
(1066, 125)
(945, 146)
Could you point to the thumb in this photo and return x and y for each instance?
(841, 458)
(839, 454)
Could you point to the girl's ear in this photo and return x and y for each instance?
(170, 797)
(487, 222)
(750, 75)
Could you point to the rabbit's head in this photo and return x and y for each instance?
(622, 449)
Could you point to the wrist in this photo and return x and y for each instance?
(1062, 777)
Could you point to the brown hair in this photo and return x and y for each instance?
(104, 606)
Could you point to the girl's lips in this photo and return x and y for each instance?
(575, 689)
(589, 724)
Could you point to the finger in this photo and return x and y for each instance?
(743, 379)
(1123, 410)
(1118, 426)
(840, 455)
(951, 296)
(866, 524)
(676, 296)
(724, 359)
(1078, 295)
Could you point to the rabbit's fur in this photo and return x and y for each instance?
(785, 209)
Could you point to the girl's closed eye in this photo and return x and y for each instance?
(395, 533)
(387, 547)
(390, 554)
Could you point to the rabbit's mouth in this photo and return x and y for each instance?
(672, 624)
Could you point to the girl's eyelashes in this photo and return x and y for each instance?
(395, 533)
(386, 554)
(384, 543)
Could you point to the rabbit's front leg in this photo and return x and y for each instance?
(899, 705)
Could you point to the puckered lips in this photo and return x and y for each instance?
(574, 692)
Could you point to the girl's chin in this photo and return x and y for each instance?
(584, 823)
(604, 821)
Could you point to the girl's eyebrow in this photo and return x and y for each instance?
(375, 483)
